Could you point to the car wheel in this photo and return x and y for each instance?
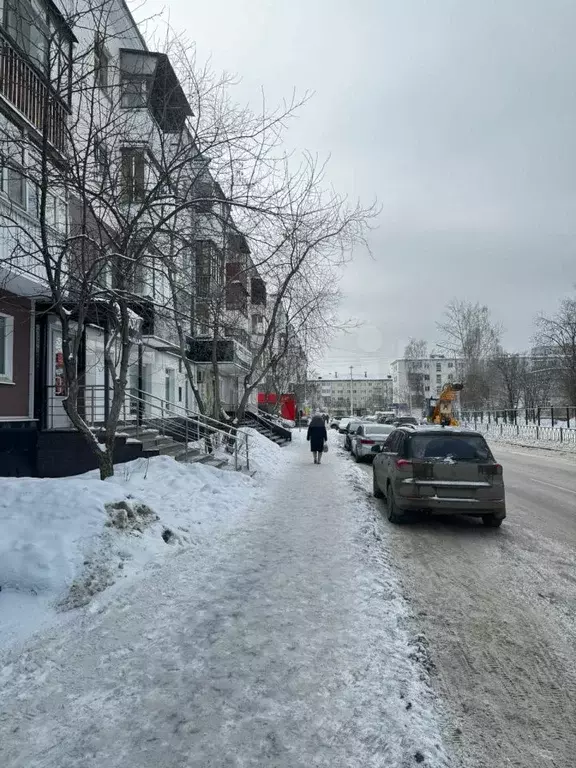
(394, 515)
(375, 487)
(491, 521)
(357, 458)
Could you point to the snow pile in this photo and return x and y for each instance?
(65, 539)
(264, 454)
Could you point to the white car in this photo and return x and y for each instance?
(343, 423)
(367, 439)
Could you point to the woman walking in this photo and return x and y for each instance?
(317, 436)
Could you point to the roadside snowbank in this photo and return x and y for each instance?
(66, 539)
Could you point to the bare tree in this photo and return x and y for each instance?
(557, 334)
(469, 333)
(509, 373)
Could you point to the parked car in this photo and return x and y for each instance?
(405, 420)
(353, 425)
(443, 470)
(366, 438)
(343, 423)
(334, 423)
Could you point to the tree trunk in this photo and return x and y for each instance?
(106, 462)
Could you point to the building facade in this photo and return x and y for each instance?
(358, 395)
(416, 379)
(98, 96)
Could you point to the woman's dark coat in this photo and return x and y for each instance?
(317, 434)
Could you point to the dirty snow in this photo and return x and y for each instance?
(58, 547)
(282, 642)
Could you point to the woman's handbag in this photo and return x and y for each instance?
(325, 449)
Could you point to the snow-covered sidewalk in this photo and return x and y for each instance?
(281, 644)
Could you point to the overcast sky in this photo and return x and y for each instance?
(458, 115)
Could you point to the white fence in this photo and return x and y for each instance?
(534, 432)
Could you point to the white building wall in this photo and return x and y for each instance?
(435, 372)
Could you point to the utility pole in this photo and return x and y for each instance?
(351, 399)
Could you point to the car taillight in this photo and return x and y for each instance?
(403, 464)
(367, 442)
(492, 469)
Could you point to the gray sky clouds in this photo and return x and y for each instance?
(459, 116)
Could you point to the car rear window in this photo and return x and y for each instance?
(378, 429)
(458, 447)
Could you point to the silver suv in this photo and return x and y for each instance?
(445, 470)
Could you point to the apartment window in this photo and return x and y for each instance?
(203, 320)
(426, 377)
(101, 63)
(438, 366)
(6, 347)
(450, 376)
(439, 379)
(257, 324)
(101, 156)
(450, 365)
(136, 90)
(16, 185)
(133, 174)
(427, 389)
(169, 387)
(26, 25)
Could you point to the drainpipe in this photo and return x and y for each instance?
(140, 408)
(106, 377)
(32, 359)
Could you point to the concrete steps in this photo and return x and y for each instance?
(155, 444)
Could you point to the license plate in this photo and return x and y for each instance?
(455, 493)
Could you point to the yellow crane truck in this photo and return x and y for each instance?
(439, 409)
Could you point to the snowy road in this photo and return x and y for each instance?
(285, 644)
(498, 608)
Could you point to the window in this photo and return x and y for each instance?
(450, 365)
(101, 156)
(169, 387)
(438, 379)
(257, 324)
(426, 377)
(136, 90)
(427, 389)
(6, 346)
(101, 63)
(133, 174)
(26, 25)
(438, 366)
(450, 376)
(16, 185)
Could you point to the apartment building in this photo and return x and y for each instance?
(27, 97)
(202, 301)
(359, 394)
(415, 379)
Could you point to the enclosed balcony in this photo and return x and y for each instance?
(232, 356)
(35, 66)
(148, 81)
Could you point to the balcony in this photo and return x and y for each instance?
(233, 358)
(149, 81)
(25, 89)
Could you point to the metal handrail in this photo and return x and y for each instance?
(173, 407)
(192, 430)
(161, 415)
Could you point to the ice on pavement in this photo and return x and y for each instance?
(281, 642)
(54, 532)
